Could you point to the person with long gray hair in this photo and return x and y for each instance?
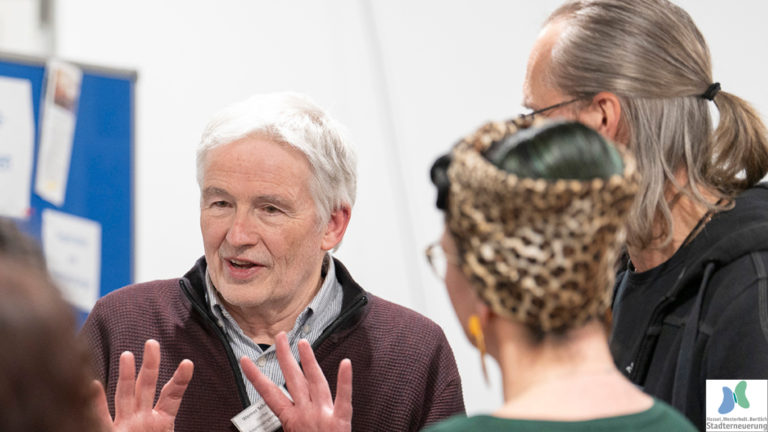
(277, 178)
(692, 303)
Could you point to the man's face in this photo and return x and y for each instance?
(258, 219)
(538, 93)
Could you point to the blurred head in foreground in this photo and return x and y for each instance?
(44, 383)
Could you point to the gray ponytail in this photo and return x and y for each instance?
(738, 146)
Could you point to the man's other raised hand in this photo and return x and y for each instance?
(133, 398)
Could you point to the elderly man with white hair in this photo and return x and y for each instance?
(277, 178)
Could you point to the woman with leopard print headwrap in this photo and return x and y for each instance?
(534, 221)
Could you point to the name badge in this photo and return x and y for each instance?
(258, 417)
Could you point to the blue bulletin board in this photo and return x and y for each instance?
(100, 184)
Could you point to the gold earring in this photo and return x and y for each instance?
(476, 330)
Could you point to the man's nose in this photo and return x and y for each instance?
(243, 231)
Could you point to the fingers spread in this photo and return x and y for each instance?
(343, 406)
(318, 385)
(125, 382)
(146, 384)
(273, 396)
(100, 406)
(170, 397)
(294, 377)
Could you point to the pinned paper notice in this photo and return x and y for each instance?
(57, 131)
(17, 146)
(72, 247)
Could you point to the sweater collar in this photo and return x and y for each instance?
(353, 294)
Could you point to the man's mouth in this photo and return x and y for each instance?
(239, 264)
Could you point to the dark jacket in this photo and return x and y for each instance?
(405, 376)
(701, 315)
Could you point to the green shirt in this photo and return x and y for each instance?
(659, 417)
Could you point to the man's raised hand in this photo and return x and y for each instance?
(312, 408)
(133, 399)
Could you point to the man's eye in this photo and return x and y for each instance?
(271, 209)
(220, 204)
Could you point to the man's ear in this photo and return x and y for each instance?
(336, 227)
(604, 116)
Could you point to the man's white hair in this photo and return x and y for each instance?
(293, 119)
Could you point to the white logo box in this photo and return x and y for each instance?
(753, 418)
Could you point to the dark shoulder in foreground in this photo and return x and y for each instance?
(660, 417)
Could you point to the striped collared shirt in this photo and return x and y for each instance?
(318, 315)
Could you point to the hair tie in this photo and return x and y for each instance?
(711, 92)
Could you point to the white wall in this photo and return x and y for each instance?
(25, 27)
(408, 78)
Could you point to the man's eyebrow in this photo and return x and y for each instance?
(215, 191)
(277, 200)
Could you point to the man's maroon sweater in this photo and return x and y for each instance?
(405, 376)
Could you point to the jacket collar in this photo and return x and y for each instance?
(353, 301)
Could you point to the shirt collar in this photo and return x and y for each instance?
(326, 291)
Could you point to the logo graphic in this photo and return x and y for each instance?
(731, 398)
(751, 396)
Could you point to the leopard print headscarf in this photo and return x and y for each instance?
(538, 251)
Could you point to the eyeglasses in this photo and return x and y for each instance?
(439, 259)
(530, 115)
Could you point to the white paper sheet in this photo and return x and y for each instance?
(72, 247)
(57, 131)
(17, 146)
